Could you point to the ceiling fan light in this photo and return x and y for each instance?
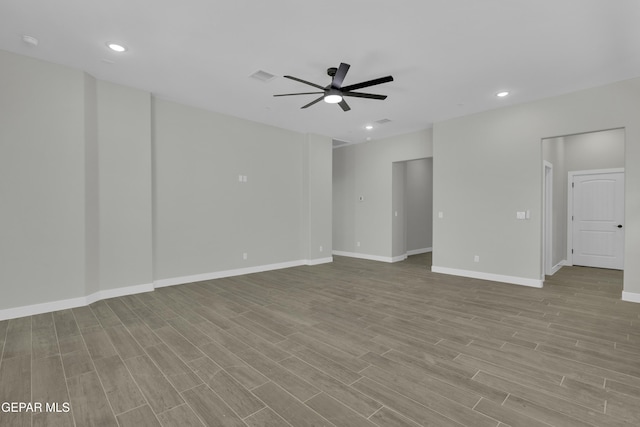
(116, 47)
(332, 99)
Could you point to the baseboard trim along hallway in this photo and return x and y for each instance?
(46, 307)
(514, 280)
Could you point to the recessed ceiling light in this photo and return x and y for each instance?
(502, 94)
(368, 127)
(116, 47)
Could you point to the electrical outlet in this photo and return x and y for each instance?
(358, 244)
(476, 258)
(244, 255)
(320, 248)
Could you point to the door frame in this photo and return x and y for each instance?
(547, 219)
(570, 204)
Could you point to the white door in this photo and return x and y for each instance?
(598, 220)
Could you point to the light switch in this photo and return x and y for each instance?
(440, 214)
(521, 215)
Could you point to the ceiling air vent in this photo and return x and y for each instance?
(263, 76)
(382, 121)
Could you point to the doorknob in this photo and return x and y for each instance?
(619, 225)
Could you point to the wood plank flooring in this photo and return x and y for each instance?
(352, 343)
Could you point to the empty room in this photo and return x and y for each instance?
(364, 213)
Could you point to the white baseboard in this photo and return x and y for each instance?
(119, 292)
(630, 297)
(319, 261)
(557, 267)
(364, 256)
(237, 272)
(419, 251)
(46, 307)
(514, 280)
(382, 258)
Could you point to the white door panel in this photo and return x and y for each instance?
(598, 218)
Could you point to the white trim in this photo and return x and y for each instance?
(227, 273)
(547, 218)
(534, 283)
(419, 251)
(557, 267)
(46, 307)
(119, 292)
(630, 297)
(319, 261)
(364, 256)
(382, 258)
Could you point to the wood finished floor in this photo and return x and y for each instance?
(352, 343)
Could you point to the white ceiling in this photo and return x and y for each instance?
(448, 57)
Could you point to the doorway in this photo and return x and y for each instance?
(599, 150)
(596, 215)
(412, 208)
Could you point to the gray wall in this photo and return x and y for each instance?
(205, 219)
(125, 219)
(398, 210)
(107, 191)
(317, 199)
(42, 185)
(366, 170)
(594, 150)
(489, 165)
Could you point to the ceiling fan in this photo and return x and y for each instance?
(335, 92)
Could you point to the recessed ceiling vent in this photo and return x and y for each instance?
(263, 76)
(382, 121)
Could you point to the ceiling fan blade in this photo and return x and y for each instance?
(364, 95)
(300, 93)
(368, 83)
(344, 105)
(340, 75)
(304, 81)
(313, 102)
